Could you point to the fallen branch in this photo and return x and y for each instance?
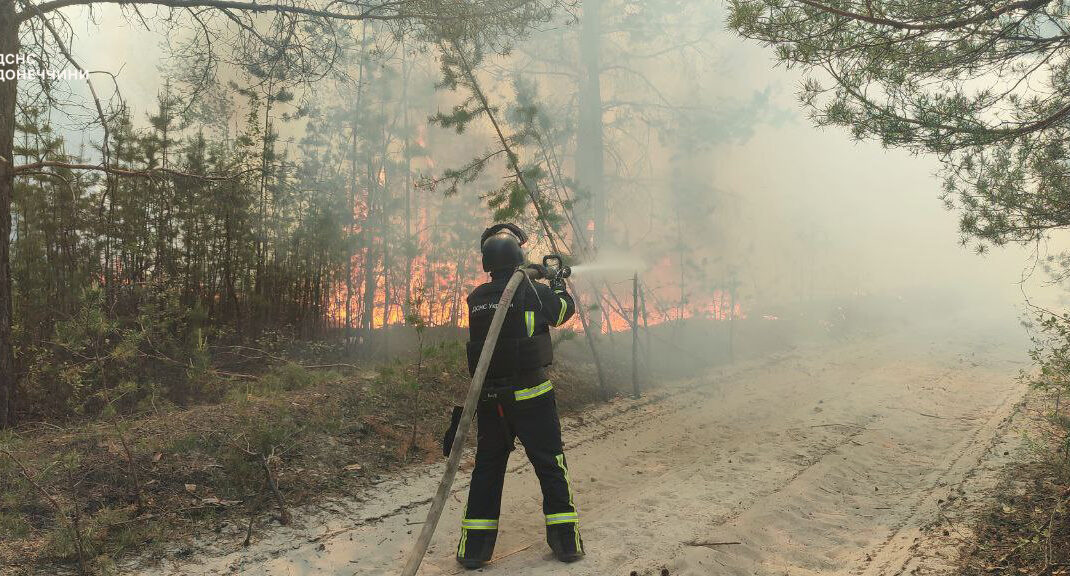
(236, 375)
(322, 366)
(284, 514)
(711, 544)
(497, 558)
(253, 509)
(132, 467)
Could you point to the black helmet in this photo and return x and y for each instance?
(502, 251)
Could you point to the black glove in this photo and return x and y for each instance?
(540, 270)
(455, 421)
(557, 284)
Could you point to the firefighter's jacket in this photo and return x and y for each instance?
(524, 348)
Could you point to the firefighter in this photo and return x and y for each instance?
(517, 402)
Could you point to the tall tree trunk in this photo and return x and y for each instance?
(384, 220)
(9, 45)
(409, 244)
(113, 247)
(350, 220)
(590, 169)
(351, 208)
(261, 236)
(458, 289)
(590, 158)
(368, 232)
(232, 306)
(732, 322)
(682, 256)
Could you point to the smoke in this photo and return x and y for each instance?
(715, 180)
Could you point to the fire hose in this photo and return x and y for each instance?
(438, 503)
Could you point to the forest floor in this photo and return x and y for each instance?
(834, 458)
(151, 484)
(1008, 517)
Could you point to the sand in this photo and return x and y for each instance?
(827, 459)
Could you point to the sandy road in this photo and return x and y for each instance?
(824, 460)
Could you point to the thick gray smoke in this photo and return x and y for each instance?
(762, 200)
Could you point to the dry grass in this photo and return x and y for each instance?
(196, 470)
(1026, 527)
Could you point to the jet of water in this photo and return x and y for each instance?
(611, 263)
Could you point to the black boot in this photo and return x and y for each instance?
(565, 541)
(476, 548)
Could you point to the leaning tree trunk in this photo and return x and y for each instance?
(9, 45)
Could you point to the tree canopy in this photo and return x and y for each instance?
(982, 85)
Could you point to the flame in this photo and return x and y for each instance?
(431, 292)
(718, 308)
(439, 281)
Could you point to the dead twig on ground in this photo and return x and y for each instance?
(132, 466)
(253, 509)
(696, 543)
(284, 514)
(329, 366)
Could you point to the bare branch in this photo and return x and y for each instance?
(370, 13)
(35, 168)
(92, 91)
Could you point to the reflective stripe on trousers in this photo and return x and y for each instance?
(473, 524)
(533, 392)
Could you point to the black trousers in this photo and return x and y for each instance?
(529, 414)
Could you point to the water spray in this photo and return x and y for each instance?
(612, 263)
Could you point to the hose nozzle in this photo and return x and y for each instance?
(555, 267)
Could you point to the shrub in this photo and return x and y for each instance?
(121, 350)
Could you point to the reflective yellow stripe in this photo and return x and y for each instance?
(567, 517)
(533, 392)
(479, 524)
(568, 479)
(464, 537)
(529, 317)
(564, 309)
